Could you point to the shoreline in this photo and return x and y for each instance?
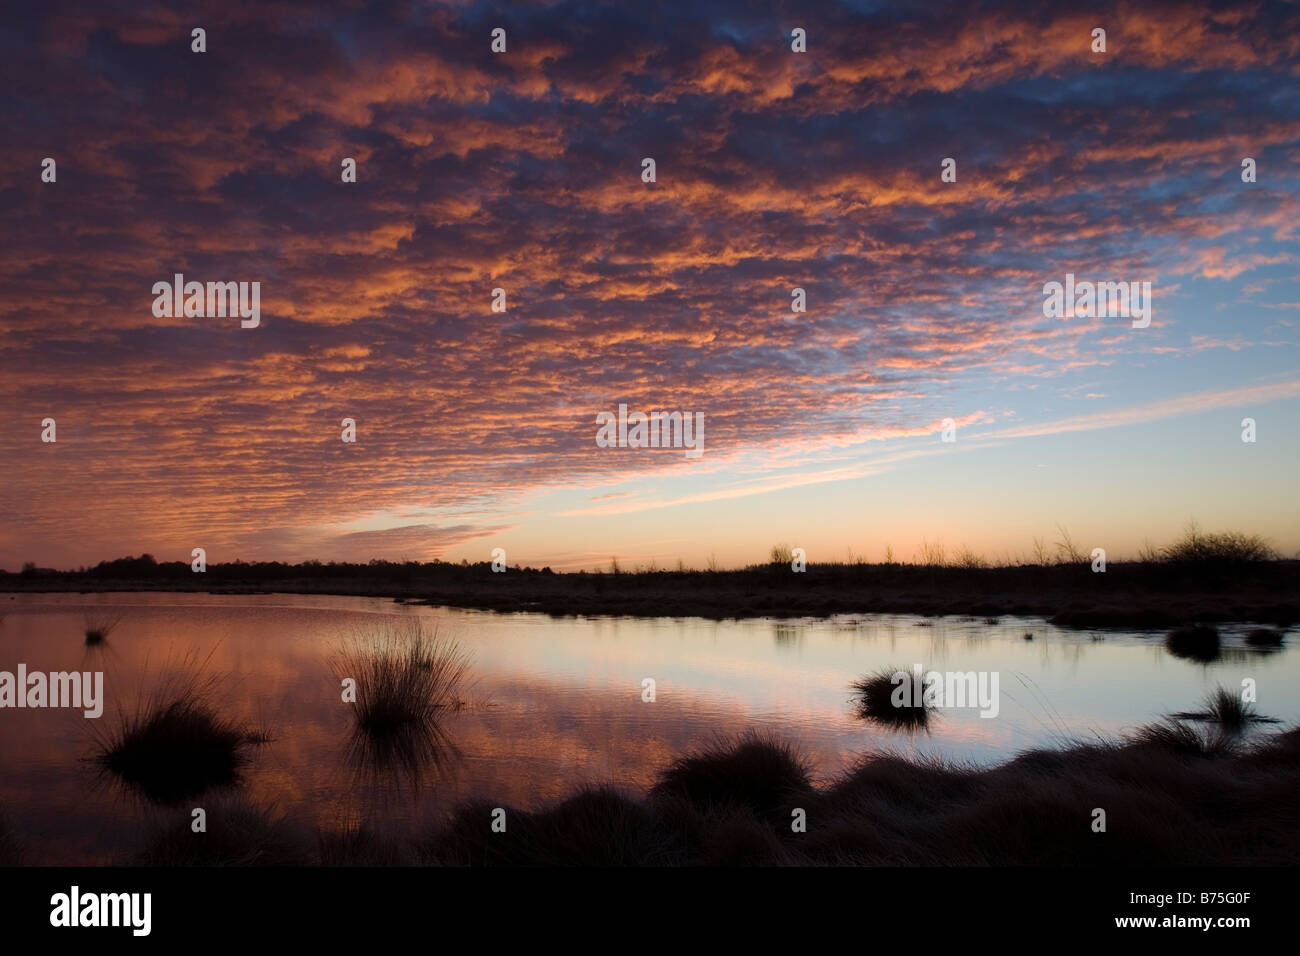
(1132, 595)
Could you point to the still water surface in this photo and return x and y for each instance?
(553, 703)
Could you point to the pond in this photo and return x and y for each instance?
(550, 704)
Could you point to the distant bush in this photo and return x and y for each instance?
(1224, 547)
(966, 558)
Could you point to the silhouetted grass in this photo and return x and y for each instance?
(403, 679)
(11, 851)
(238, 834)
(175, 745)
(1171, 796)
(361, 846)
(1227, 710)
(241, 834)
(1169, 736)
(874, 697)
(594, 827)
(406, 684)
(758, 774)
(1197, 642)
(99, 627)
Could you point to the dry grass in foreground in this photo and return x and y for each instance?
(1173, 794)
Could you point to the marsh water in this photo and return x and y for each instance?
(552, 703)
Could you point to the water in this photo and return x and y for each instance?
(554, 703)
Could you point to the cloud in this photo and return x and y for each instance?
(522, 172)
(1154, 411)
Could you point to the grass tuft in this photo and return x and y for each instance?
(1197, 642)
(1265, 637)
(176, 745)
(1180, 740)
(99, 627)
(1227, 710)
(756, 773)
(875, 699)
(407, 683)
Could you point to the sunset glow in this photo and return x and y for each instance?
(477, 429)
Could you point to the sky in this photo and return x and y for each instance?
(523, 170)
